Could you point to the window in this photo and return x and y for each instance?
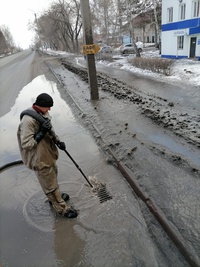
(180, 41)
(170, 14)
(182, 11)
(195, 8)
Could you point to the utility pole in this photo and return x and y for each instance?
(37, 31)
(131, 29)
(87, 27)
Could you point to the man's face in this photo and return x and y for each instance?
(45, 109)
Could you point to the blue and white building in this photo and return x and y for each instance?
(180, 29)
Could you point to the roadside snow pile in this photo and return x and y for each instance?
(186, 71)
(55, 53)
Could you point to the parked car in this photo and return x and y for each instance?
(130, 49)
(106, 49)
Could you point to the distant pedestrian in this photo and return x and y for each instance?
(38, 146)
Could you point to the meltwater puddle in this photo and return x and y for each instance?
(27, 96)
(20, 182)
(30, 231)
(39, 213)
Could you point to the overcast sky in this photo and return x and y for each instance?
(16, 14)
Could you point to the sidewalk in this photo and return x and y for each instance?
(92, 114)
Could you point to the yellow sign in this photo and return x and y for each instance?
(90, 49)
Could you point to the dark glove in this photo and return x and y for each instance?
(61, 145)
(39, 136)
(46, 126)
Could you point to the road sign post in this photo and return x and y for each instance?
(90, 49)
(86, 17)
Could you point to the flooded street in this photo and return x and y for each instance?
(119, 232)
(31, 234)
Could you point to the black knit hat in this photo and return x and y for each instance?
(44, 100)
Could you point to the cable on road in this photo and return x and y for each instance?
(17, 162)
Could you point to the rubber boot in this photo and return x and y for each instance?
(57, 202)
(71, 213)
(64, 196)
(60, 206)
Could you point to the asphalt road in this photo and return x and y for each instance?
(15, 72)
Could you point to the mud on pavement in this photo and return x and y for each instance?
(185, 124)
(161, 153)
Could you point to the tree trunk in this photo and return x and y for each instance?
(157, 35)
(105, 10)
(131, 28)
(120, 19)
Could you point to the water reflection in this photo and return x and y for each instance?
(25, 99)
(175, 147)
(60, 112)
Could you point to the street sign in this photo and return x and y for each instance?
(90, 49)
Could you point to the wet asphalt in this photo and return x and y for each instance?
(118, 232)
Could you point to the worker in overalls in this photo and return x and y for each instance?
(38, 147)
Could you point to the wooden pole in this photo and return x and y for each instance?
(86, 17)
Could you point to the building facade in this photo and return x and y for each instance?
(180, 29)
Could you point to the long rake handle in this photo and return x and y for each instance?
(78, 167)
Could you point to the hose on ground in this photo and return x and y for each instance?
(17, 162)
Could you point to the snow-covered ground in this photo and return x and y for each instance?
(185, 71)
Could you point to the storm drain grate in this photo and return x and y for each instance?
(103, 194)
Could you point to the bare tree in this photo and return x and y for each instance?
(133, 10)
(60, 26)
(105, 18)
(156, 5)
(6, 40)
(3, 43)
